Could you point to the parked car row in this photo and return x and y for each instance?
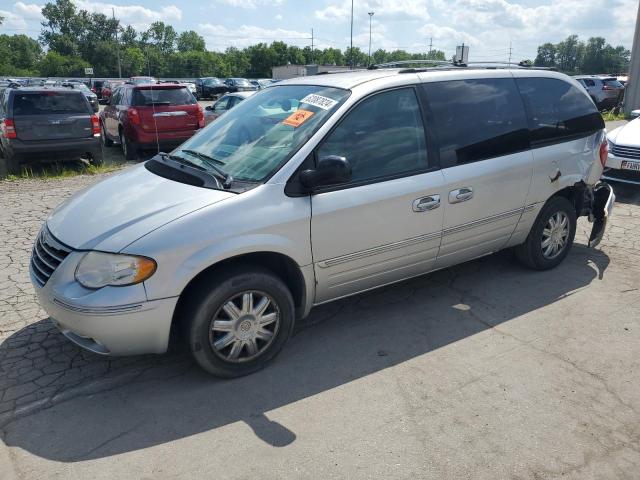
(213, 87)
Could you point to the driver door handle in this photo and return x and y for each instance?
(460, 195)
(427, 203)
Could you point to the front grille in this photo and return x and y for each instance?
(626, 152)
(47, 254)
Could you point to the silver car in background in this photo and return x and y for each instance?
(623, 163)
(315, 189)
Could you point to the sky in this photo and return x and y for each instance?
(489, 27)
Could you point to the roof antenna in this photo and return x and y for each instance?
(153, 105)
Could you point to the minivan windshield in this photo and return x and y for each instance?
(255, 138)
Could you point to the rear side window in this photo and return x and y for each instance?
(557, 111)
(477, 119)
(382, 136)
(49, 103)
(165, 96)
(613, 83)
(588, 82)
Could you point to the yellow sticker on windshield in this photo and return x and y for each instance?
(297, 118)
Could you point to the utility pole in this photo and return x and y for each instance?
(632, 90)
(430, 46)
(510, 50)
(113, 14)
(370, 16)
(312, 55)
(351, 50)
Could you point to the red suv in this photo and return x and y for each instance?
(150, 116)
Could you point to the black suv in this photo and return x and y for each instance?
(210, 87)
(46, 124)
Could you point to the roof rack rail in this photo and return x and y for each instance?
(448, 63)
(400, 63)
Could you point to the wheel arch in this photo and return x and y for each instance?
(279, 264)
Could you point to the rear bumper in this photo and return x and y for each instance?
(53, 149)
(166, 140)
(603, 201)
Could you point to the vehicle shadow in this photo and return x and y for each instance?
(339, 343)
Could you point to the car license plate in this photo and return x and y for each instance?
(626, 165)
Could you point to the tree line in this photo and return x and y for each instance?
(577, 57)
(72, 39)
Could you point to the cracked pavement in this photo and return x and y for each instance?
(484, 370)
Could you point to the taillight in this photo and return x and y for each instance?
(93, 89)
(607, 87)
(133, 116)
(604, 153)
(95, 124)
(200, 116)
(9, 128)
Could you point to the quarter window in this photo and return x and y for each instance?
(382, 136)
(557, 111)
(477, 119)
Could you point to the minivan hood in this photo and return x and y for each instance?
(628, 134)
(122, 208)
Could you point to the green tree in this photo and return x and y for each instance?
(546, 55)
(162, 37)
(133, 62)
(190, 41)
(54, 64)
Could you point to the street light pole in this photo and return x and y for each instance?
(351, 50)
(370, 16)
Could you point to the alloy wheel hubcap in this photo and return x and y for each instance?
(555, 235)
(245, 326)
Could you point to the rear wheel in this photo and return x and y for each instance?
(128, 149)
(97, 158)
(9, 165)
(106, 141)
(551, 236)
(238, 326)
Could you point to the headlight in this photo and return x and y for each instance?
(98, 269)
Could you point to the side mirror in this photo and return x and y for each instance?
(330, 170)
(209, 107)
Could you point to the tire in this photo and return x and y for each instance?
(129, 150)
(106, 141)
(97, 158)
(227, 351)
(559, 239)
(9, 165)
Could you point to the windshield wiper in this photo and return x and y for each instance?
(216, 176)
(211, 162)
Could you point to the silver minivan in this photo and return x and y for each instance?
(315, 189)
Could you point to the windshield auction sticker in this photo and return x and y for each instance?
(297, 118)
(319, 101)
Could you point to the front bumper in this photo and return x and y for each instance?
(614, 171)
(108, 321)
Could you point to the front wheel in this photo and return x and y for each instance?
(238, 326)
(551, 236)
